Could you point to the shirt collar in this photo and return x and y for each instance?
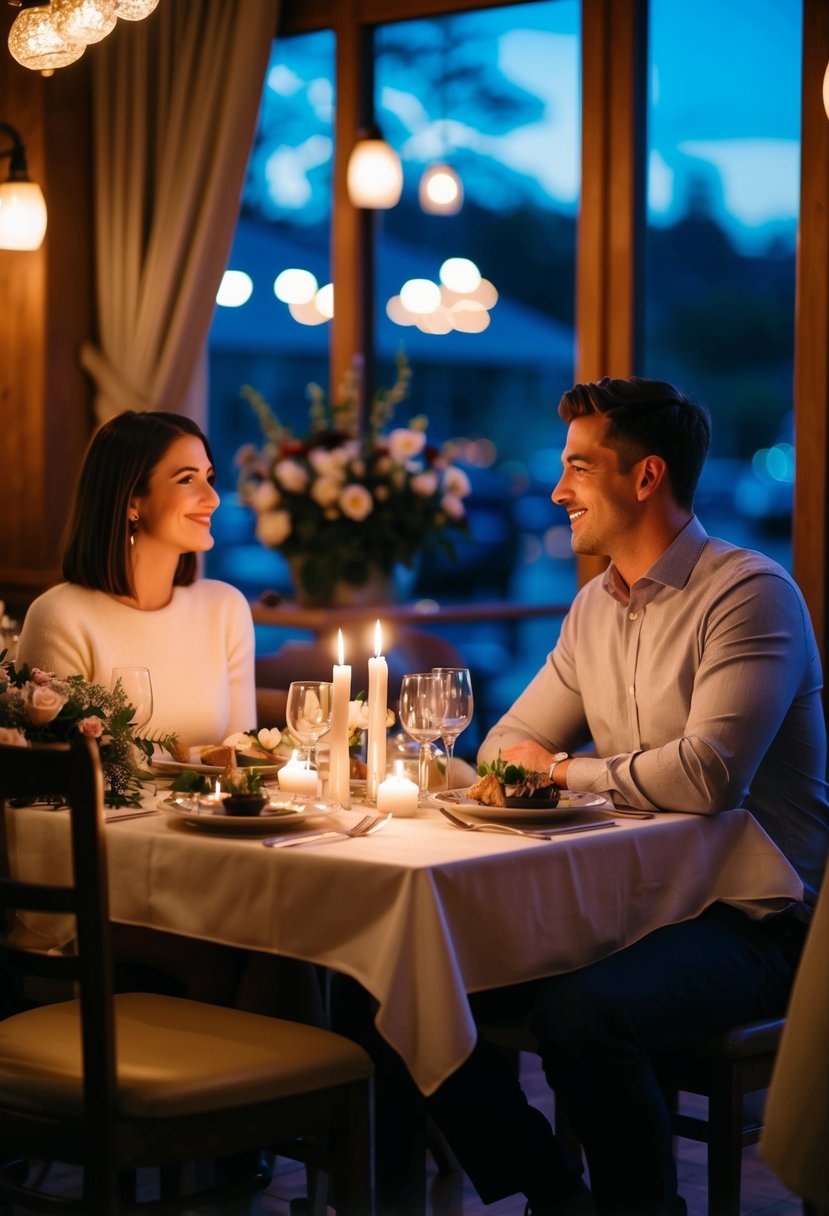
(671, 569)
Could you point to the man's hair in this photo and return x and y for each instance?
(648, 417)
(117, 467)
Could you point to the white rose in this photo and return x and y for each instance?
(42, 704)
(453, 506)
(291, 476)
(272, 528)
(325, 491)
(357, 716)
(425, 484)
(356, 502)
(264, 497)
(405, 443)
(456, 482)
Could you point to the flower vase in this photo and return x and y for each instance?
(380, 587)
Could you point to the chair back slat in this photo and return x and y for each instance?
(73, 772)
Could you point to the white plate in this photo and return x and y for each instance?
(302, 807)
(190, 766)
(569, 802)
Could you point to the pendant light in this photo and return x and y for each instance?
(84, 20)
(375, 175)
(36, 43)
(134, 10)
(22, 205)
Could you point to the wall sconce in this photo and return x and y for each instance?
(826, 90)
(22, 205)
(375, 175)
(440, 191)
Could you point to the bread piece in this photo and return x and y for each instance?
(488, 790)
(219, 755)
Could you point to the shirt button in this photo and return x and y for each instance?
(633, 616)
(630, 690)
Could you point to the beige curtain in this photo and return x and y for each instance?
(175, 102)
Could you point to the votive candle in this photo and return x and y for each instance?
(339, 764)
(296, 777)
(378, 685)
(398, 794)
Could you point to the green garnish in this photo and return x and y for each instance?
(188, 782)
(510, 774)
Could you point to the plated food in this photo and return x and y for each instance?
(511, 785)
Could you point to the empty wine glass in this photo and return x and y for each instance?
(456, 684)
(421, 715)
(308, 714)
(136, 683)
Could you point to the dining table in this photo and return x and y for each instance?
(421, 913)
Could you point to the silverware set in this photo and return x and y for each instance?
(533, 833)
(366, 826)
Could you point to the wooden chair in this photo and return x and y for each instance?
(725, 1068)
(118, 1082)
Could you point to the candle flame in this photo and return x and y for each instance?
(218, 790)
(340, 652)
(399, 771)
(294, 756)
(378, 640)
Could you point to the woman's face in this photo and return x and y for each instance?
(175, 512)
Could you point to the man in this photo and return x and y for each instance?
(690, 669)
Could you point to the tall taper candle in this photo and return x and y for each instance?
(339, 766)
(378, 684)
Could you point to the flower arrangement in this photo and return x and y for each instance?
(344, 499)
(38, 707)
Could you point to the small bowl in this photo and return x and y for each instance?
(243, 804)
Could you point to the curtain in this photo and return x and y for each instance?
(175, 102)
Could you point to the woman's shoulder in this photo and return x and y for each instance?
(63, 598)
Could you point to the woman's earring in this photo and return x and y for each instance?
(133, 526)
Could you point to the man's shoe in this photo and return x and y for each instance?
(580, 1203)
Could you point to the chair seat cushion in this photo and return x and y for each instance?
(175, 1057)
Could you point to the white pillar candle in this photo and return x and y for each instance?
(378, 683)
(339, 765)
(296, 777)
(398, 794)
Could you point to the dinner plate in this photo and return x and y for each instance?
(278, 815)
(569, 802)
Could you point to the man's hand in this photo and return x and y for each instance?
(529, 753)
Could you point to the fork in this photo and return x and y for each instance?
(364, 827)
(536, 835)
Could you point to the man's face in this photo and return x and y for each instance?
(599, 498)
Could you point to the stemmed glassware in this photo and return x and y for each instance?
(138, 688)
(308, 714)
(421, 716)
(457, 704)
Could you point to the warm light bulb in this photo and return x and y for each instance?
(375, 175)
(36, 43)
(826, 90)
(294, 286)
(84, 20)
(440, 191)
(324, 300)
(459, 275)
(22, 215)
(235, 289)
(420, 295)
(134, 10)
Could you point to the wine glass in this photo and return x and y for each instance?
(136, 683)
(308, 714)
(421, 716)
(457, 702)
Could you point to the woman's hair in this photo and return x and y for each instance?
(648, 417)
(117, 467)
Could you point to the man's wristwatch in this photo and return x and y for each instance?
(557, 759)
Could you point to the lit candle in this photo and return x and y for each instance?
(398, 794)
(339, 766)
(378, 683)
(296, 777)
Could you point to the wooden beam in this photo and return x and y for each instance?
(611, 217)
(811, 355)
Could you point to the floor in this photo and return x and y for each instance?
(762, 1193)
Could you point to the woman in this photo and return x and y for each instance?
(142, 512)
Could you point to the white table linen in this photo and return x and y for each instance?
(421, 913)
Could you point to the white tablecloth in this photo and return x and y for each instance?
(421, 913)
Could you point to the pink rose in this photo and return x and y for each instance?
(92, 727)
(43, 704)
(40, 677)
(13, 737)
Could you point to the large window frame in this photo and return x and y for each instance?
(609, 299)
